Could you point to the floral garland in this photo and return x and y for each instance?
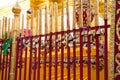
(6, 43)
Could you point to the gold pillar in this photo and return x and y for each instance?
(16, 10)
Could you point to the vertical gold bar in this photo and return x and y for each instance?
(67, 11)
(51, 16)
(80, 23)
(62, 17)
(37, 22)
(8, 27)
(74, 26)
(22, 24)
(96, 12)
(89, 14)
(5, 24)
(46, 25)
(13, 24)
(27, 25)
(32, 19)
(56, 17)
(40, 20)
(105, 9)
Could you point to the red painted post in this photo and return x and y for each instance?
(0, 57)
(6, 67)
(81, 56)
(39, 53)
(74, 56)
(50, 56)
(89, 57)
(9, 61)
(97, 57)
(106, 38)
(17, 51)
(106, 53)
(56, 55)
(34, 67)
(62, 57)
(45, 54)
(30, 62)
(25, 63)
(68, 58)
(3, 62)
(20, 61)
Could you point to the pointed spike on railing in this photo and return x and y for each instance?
(90, 32)
(98, 32)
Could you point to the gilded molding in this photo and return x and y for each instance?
(112, 36)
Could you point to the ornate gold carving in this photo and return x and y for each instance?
(119, 2)
(112, 37)
(118, 11)
(118, 45)
(118, 28)
(117, 58)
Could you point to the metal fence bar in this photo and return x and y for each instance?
(6, 67)
(56, 56)
(68, 58)
(39, 58)
(17, 51)
(3, 67)
(97, 57)
(25, 63)
(20, 60)
(30, 62)
(34, 62)
(9, 61)
(50, 56)
(81, 56)
(89, 56)
(45, 54)
(106, 55)
(62, 57)
(74, 56)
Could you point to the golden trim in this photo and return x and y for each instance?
(112, 36)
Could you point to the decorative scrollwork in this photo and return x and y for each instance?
(118, 28)
(117, 58)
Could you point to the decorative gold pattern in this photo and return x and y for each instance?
(118, 45)
(117, 58)
(112, 36)
(118, 28)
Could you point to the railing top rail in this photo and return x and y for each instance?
(70, 31)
